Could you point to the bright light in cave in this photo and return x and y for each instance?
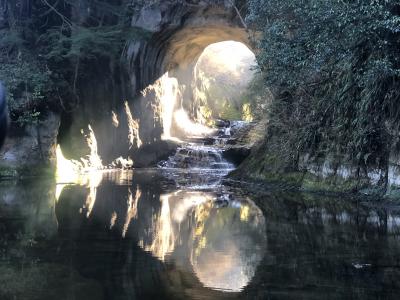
(189, 127)
(222, 76)
(172, 113)
(228, 56)
(72, 172)
(227, 65)
(86, 171)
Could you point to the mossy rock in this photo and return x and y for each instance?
(8, 172)
(290, 178)
(45, 281)
(393, 194)
(333, 183)
(20, 172)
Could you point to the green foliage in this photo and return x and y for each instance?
(27, 84)
(9, 41)
(258, 96)
(45, 56)
(334, 69)
(88, 43)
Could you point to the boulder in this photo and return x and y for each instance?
(28, 151)
(151, 154)
(3, 115)
(236, 155)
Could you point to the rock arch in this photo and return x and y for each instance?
(180, 33)
(177, 34)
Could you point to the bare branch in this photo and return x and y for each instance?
(239, 14)
(64, 18)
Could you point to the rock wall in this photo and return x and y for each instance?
(330, 174)
(179, 34)
(31, 150)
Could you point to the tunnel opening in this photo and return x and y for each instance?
(208, 88)
(173, 86)
(188, 85)
(196, 97)
(221, 77)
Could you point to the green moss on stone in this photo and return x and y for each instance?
(393, 194)
(333, 183)
(9, 172)
(290, 178)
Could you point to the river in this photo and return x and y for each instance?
(182, 232)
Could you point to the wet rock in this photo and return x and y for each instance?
(3, 115)
(30, 150)
(222, 123)
(149, 155)
(223, 133)
(240, 129)
(209, 141)
(236, 155)
(198, 157)
(232, 142)
(150, 19)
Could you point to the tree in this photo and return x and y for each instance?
(47, 49)
(334, 69)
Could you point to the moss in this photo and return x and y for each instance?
(9, 172)
(271, 169)
(330, 184)
(393, 194)
(36, 171)
(289, 178)
(45, 281)
(331, 199)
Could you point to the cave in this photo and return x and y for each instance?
(179, 36)
(199, 149)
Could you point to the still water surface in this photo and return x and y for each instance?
(144, 235)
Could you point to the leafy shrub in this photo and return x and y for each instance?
(334, 69)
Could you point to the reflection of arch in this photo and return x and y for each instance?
(126, 259)
(228, 244)
(222, 246)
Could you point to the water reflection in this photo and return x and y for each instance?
(146, 239)
(228, 242)
(216, 236)
(131, 212)
(162, 233)
(224, 240)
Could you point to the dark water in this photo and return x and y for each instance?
(141, 237)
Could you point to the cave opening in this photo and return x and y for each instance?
(221, 77)
(170, 89)
(213, 88)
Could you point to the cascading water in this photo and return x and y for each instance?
(198, 157)
(199, 166)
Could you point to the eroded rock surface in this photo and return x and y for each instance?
(27, 151)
